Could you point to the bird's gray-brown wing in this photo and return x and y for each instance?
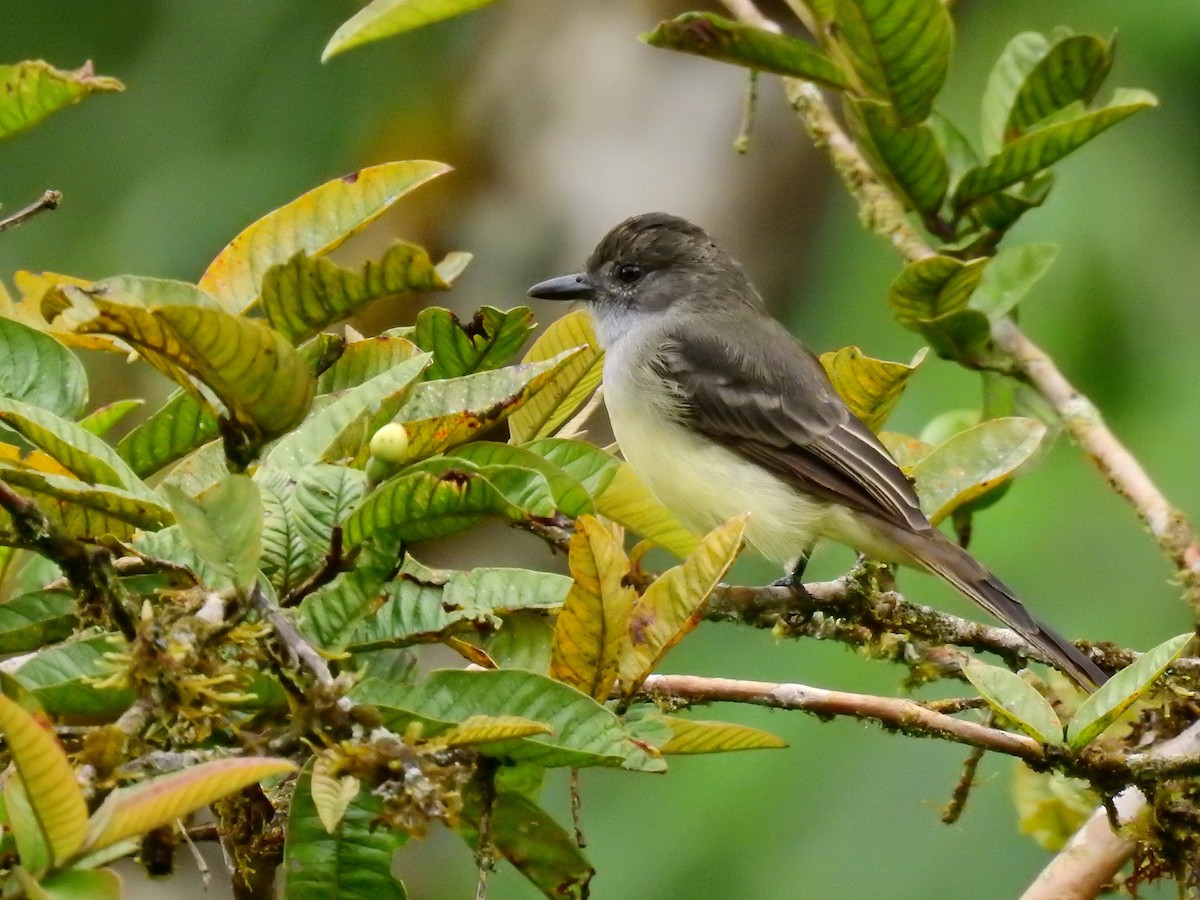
(777, 408)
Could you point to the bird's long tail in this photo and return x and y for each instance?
(945, 558)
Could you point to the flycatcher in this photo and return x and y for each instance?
(721, 411)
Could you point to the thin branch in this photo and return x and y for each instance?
(330, 568)
(48, 200)
(1095, 854)
(1083, 420)
(302, 654)
(962, 789)
(882, 212)
(906, 716)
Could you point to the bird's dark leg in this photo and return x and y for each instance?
(794, 579)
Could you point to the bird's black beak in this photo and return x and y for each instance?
(564, 287)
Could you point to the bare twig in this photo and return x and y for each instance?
(1103, 450)
(906, 716)
(302, 654)
(48, 200)
(962, 789)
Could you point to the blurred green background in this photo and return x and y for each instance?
(559, 123)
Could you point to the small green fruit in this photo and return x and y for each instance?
(390, 443)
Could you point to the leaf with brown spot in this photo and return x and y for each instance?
(674, 604)
(592, 624)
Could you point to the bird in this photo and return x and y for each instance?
(720, 411)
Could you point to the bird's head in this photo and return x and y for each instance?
(650, 263)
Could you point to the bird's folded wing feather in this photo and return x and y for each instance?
(780, 411)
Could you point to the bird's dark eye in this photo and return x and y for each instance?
(628, 273)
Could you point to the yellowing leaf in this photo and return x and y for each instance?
(384, 18)
(1050, 806)
(265, 384)
(30, 91)
(490, 729)
(33, 286)
(591, 626)
(696, 736)
(570, 386)
(48, 778)
(974, 462)
(135, 810)
(331, 795)
(314, 223)
(674, 604)
(869, 386)
(628, 501)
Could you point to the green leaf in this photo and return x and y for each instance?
(323, 496)
(314, 223)
(536, 845)
(264, 383)
(571, 385)
(134, 810)
(697, 736)
(285, 557)
(104, 418)
(344, 427)
(82, 884)
(585, 733)
(869, 386)
(224, 526)
(570, 497)
(172, 431)
(1121, 691)
(900, 51)
(586, 463)
(330, 614)
(1016, 700)
(1045, 145)
(1072, 70)
(39, 370)
(1001, 210)
(360, 361)
(1009, 276)
(443, 496)
(932, 297)
(31, 621)
(910, 155)
(421, 606)
(353, 862)
(308, 293)
(974, 462)
(1008, 74)
(79, 451)
(62, 678)
(47, 777)
(712, 36)
(84, 510)
(384, 18)
(30, 91)
(488, 341)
